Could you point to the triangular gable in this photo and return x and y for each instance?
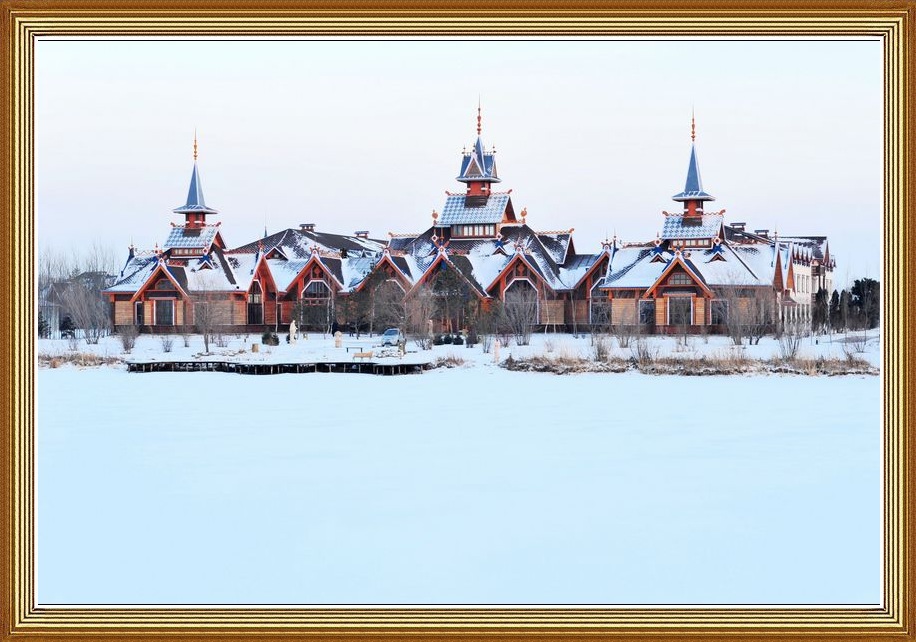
(314, 260)
(790, 277)
(435, 266)
(473, 169)
(595, 267)
(519, 257)
(153, 277)
(218, 241)
(777, 273)
(677, 261)
(263, 274)
(386, 260)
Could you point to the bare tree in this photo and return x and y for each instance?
(419, 308)
(210, 314)
(88, 309)
(521, 311)
(751, 312)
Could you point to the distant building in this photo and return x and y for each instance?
(699, 273)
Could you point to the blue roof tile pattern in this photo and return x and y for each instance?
(456, 213)
(706, 226)
(191, 237)
(478, 165)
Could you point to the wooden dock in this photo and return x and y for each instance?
(355, 367)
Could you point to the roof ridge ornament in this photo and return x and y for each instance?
(693, 127)
(195, 144)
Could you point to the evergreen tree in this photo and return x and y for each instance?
(866, 302)
(836, 320)
(44, 328)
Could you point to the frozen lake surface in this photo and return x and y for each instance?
(461, 486)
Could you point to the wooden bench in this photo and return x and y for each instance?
(363, 355)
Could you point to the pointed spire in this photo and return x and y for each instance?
(693, 187)
(195, 203)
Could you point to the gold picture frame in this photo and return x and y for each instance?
(23, 21)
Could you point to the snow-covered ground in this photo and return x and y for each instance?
(321, 348)
(461, 486)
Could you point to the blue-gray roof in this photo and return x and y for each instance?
(693, 188)
(195, 202)
(456, 213)
(181, 236)
(705, 226)
(478, 165)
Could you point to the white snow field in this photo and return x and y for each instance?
(457, 486)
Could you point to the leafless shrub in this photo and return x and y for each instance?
(80, 359)
(186, 339)
(167, 342)
(790, 341)
(601, 349)
(625, 334)
(548, 345)
(128, 336)
(221, 340)
(449, 361)
(642, 353)
(73, 343)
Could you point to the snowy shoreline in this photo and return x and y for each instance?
(830, 355)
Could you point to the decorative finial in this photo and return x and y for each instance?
(693, 127)
(478, 115)
(195, 144)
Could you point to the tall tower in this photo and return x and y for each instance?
(693, 195)
(478, 170)
(195, 210)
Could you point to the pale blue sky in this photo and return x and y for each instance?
(367, 135)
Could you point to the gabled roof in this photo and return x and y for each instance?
(678, 226)
(493, 210)
(191, 237)
(195, 201)
(294, 243)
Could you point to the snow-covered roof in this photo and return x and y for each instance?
(456, 212)
(678, 226)
(191, 237)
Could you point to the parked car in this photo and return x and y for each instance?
(392, 337)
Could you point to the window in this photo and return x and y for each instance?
(680, 311)
(165, 312)
(680, 278)
(647, 312)
(718, 311)
(255, 307)
(316, 291)
(138, 313)
(164, 284)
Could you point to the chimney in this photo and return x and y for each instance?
(362, 234)
(306, 227)
(764, 233)
(739, 226)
